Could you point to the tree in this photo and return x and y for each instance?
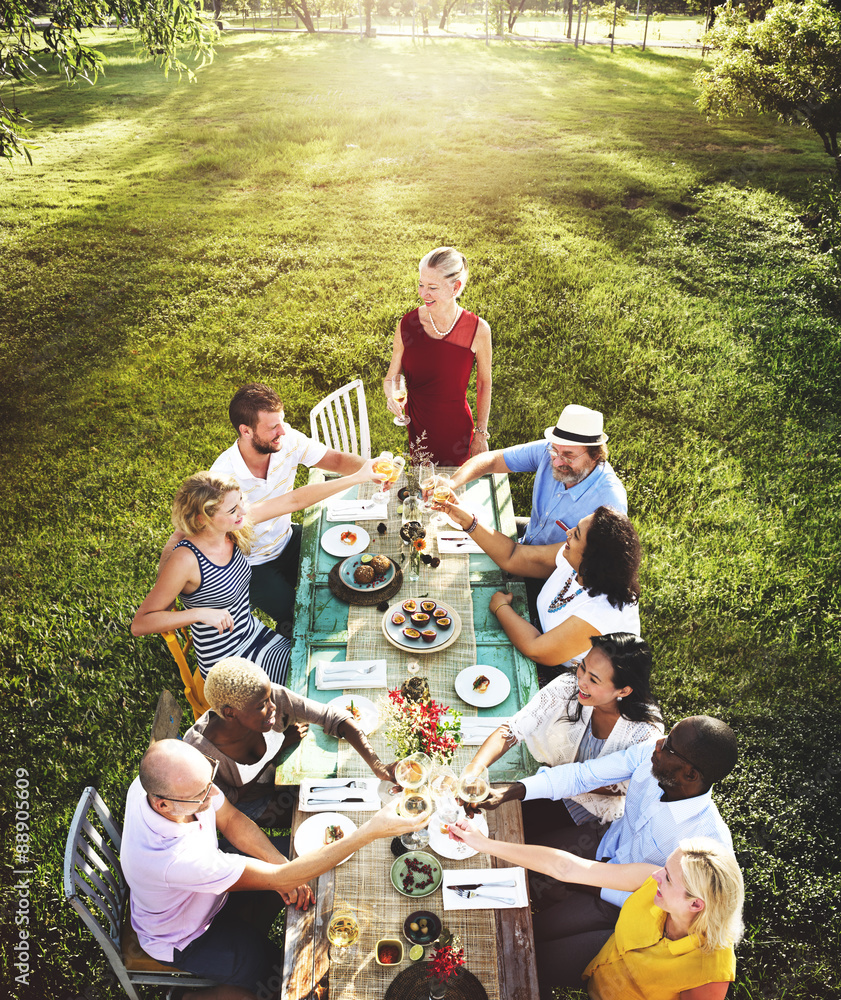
(163, 26)
(788, 64)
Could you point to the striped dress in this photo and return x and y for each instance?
(227, 587)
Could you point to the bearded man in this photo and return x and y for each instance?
(573, 476)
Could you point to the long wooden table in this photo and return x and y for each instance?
(306, 961)
(327, 628)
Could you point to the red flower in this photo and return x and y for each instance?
(445, 963)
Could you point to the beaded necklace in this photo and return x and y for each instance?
(561, 600)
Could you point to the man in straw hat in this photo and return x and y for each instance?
(573, 476)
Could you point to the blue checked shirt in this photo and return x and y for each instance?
(650, 829)
(552, 501)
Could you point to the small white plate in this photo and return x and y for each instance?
(369, 717)
(331, 540)
(497, 691)
(454, 849)
(349, 566)
(309, 836)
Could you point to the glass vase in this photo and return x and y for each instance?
(438, 989)
(414, 564)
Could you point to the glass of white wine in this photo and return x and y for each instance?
(384, 465)
(444, 788)
(441, 494)
(342, 933)
(416, 802)
(414, 770)
(400, 394)
(426, 481)
(473, 784)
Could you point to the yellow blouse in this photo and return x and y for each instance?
(639, 963)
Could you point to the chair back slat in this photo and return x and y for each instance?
(334, 421)
(108, 885)
(96, 840)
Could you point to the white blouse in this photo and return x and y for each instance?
(596, 611)
(553, 738)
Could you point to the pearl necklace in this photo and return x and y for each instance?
(435, 328)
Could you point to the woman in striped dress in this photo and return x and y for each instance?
(209, 573)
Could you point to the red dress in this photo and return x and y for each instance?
(437, 373)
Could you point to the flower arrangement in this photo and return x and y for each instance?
(415, 725)
(446, 961)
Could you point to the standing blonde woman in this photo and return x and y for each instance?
(435, 347)
(209, 572)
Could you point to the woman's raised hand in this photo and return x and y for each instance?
(219, 618)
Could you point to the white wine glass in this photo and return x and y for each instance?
(473, 784)
(426, 481)
(384, 466)
(413, 771)
(444, 788)
(400, 394)
(342, 933)
(441, 494)
(416, 802)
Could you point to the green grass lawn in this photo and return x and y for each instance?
(174, 241)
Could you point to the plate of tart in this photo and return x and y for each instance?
(345, 540)
(366, 572)
(362, 710)
(482, 686)
(320, 829)
(421, 625)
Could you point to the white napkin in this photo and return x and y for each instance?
(457, 542)
(326, 801)
(333, 676)
(352, 510)
(475, 731)
(467, 876)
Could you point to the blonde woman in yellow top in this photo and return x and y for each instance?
(675, 936)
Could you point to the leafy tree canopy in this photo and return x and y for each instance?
(788, 64)
(30, 46)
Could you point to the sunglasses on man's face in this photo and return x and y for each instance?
(668, 748)
(214, 765)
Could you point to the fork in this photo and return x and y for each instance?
(354, 671)
(333, 788)
(470, 893)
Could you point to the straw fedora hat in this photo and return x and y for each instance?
(577, 425)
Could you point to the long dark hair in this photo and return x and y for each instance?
(630, 657)
(611, 561)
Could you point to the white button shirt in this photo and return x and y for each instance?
(650, 829)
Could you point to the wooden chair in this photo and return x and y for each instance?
(95, 888)
(193, 680)
(334, 418)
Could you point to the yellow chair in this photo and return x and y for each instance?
(193, 682)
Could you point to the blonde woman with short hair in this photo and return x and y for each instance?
(676, 935)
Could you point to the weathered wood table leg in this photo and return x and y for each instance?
(305, 957)
(515, 935)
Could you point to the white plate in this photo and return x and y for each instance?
(369, 716)
(444, 638)
(454, 849)
(349, 566)
(498, 690)
(309, 836)
(331, 540)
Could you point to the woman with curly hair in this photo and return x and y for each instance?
(592, 586)
(208, 571)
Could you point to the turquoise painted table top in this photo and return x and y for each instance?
(321, 631)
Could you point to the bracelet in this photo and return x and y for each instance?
(499, 607)
(473, 524)
(485, 433)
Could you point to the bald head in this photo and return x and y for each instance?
(711, 744)
(174, 768)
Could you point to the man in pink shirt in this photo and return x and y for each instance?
(203, 910)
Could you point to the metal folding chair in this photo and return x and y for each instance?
(333, 420)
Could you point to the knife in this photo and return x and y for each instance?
(317, 800)
(480, 885)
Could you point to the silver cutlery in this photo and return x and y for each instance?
(348, 671)
(335, 788)
(470, 893)
(329, 802)
(479, 885)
